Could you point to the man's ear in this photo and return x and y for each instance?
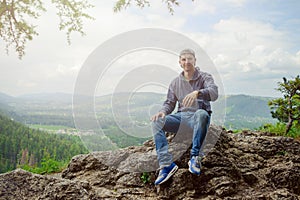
(179, 63)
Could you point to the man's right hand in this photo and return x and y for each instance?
(158, 115)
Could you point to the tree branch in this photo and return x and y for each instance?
(3, 5)
(15, 30)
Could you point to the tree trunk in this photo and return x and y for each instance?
(289, 125)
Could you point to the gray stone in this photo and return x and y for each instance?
(248, 165)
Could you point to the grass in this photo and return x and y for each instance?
(145, 177)
(279, 130)
(48, 166)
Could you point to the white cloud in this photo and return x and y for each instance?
(245, 40)
(236, 3)
(26, 84)
(245, 51)
(129, 64)
(297, 58)
(65, 71)
(212, 7)
(248, 53)
(202, 7)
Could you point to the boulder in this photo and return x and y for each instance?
(247, 165)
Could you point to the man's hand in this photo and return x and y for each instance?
(190, 99)
(158, 115)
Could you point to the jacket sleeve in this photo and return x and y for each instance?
(170, 103)
(210, 90)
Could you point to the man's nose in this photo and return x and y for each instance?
(187, 61)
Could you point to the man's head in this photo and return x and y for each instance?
(187, 58)
(187, 51)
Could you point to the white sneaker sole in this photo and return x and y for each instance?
(170, 174)
(189, 163)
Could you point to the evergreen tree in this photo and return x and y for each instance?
(287, 108)
(22, 146)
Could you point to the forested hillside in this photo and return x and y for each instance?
(46, 109)
(20, 145)
(247, 112)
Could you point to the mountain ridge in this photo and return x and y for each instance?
(233, 111)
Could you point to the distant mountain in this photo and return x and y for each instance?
(232, 111)
(47, 97)
(48, 109)
(250, 106)
(247, 112)
(4, 98)
(7, 106)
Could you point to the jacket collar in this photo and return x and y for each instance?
(195, 77)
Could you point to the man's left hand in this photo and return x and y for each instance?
(190, 99)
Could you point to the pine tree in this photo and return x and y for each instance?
(287, 108)
(24, 157)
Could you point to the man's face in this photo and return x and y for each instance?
(187, 61)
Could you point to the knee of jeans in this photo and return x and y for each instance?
(201, 115)
(158, 125)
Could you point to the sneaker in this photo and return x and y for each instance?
(165, 173)
(195, 165)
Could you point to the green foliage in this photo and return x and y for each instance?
(234, 130)
(145, 177)
(279, 129)
(71, 14)
(287, 108)
(14, 16)
(48, 166)
(123, 4)
(21, 146)
(281, 153)
(13, 27)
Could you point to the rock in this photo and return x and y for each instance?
(20, 184)
(249, 165)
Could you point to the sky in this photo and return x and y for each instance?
(252, 44)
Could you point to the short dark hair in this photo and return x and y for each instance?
(187, 51)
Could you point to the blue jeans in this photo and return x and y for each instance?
(180, 123)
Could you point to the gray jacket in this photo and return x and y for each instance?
(180, 87)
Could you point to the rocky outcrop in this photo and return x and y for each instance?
(20, 184)
(248, 165)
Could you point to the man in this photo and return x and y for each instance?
(192, 90)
